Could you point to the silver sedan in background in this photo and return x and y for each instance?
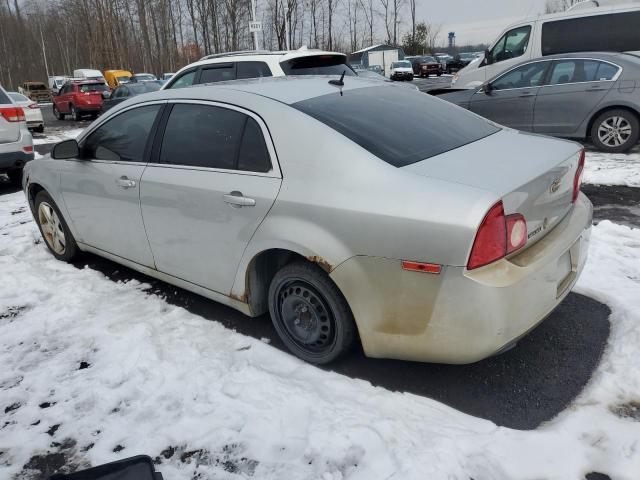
(583, 95)
(434, 235)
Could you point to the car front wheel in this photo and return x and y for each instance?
(53, 228)
(615, 131)
(310, 314)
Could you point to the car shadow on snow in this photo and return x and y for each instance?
(520, 388)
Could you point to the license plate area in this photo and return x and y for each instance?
(567, 268)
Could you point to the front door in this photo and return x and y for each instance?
(101, 190)
(510, 98)
(574, 89)
(212, 184)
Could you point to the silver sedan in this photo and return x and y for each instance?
(349, 211)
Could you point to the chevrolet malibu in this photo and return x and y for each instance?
(434, 236)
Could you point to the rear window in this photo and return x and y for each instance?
(612, 32)
(18, 97)
(398, 125)
(317, 65)
(92, 87)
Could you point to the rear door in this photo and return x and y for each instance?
(9, 126)
(574, 89)
(101, 189)
(512, 97)
(214, 179)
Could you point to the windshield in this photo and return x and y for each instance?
(401, 65)
(123, 79)
(36, 86)
(59, 82)
(140, 88)
(17, 97)
(317, 65)
(416, 126)
(92, 87)
(429, 59)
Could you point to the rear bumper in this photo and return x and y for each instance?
(14, 160)
(462, 316)
(88, 108)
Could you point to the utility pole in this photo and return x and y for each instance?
(256, 42)
(44, 53)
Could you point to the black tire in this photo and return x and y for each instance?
(75, 114)
(304, 302)
(440, 74)
(15, 177)
(39, 129)
(606, 120)
(410, 79)
(70, 245)
(57, 113)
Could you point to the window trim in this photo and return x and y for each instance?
(551, 63)
(150, 141)
(154, 160)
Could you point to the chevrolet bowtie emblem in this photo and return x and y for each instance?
(555, 186)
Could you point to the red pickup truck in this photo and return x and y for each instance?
(78, 98)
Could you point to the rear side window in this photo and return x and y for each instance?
(577, 71)
(398, 125)
(4, 98)
(214, 137)
(252, 70)
(617, 32)
(317, 65)
(218, 73)
(123, 137)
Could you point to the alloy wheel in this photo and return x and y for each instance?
(52, 228)
(305, 314)
(614, 131)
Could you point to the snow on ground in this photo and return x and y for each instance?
(106, 370)
(612, 169)
(59, 136)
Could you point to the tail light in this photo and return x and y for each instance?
(577, 179)
(12, 114)
(34, 106)
(28, 149)
(498, 236)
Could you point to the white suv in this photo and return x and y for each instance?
(255, 64)
(16, 144)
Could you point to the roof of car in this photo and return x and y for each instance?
(288, 90)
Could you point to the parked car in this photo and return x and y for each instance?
(594, 95)
(36, 91)
(167, 76)
(401, 70)
(124, 92)
(55, 83)
(459, 61)
(16, 144)
(31, 109)
(577, 30)
(376, 76)
(89, 74)
(443, 59)
(250, 64)
(117, 77)
(142, 77)
(79, 98)
(425, 65)
(334, 250)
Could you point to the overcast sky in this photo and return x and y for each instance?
(476, 21)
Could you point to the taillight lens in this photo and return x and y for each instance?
(497, 236)
(12, 114)
(577, 179)
(34, 106)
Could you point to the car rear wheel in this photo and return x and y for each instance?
(57, 113)
(75, 114)
(53, 228)
(310, 314)
(615, 131)
(39, 129)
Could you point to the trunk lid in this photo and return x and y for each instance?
(533, 175)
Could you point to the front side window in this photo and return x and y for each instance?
(218, 73)
(184, 80)
(123, 137)
(530, 75)
(513, 44)
(252, 70)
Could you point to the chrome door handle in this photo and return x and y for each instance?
(236, 200)
(125, 182)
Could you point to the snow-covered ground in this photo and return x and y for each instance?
(612, 169)
(58, 136)
(107, 370)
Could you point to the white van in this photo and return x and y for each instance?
(597, 29)
(56, 83)
(89, 74)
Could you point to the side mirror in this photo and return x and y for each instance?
(487, 57)
(65, 150)
(487, 88)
